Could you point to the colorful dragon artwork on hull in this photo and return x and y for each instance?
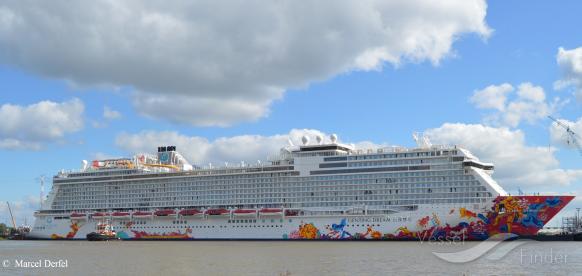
(75, 226)
(519, 215)
(142, 235)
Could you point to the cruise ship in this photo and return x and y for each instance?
(324, 190)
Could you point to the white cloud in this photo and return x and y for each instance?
(22, 211)
(110, 114)
(103, 156)
(201, 151)
(200, 111)
(570, 62)
(529, 104)
(98, 124)
(29, 127)
(219, 63)
(493, 96)
(532, 168)
(529, 92)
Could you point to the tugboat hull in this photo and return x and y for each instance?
(93, 236)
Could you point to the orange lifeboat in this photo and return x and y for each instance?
(217, 212)
(244, 212)
(271, 212)
(99, 215)
(78, 216)
(291, 213)
(120, 215)
(142, 214)
(190, 212)
(165, 213)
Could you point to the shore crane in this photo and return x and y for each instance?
(573, 138)
(11, 216)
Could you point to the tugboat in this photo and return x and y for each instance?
(103, 233)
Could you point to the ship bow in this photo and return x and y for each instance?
(525, 215)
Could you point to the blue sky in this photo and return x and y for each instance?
(299, 83)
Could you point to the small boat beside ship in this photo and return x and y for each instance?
(104, 232)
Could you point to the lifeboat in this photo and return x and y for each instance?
(142, 214)
(78, 216)
(271, 212)
(244, 212)
(99, 215)
(120, 215)
(164, 213)
(217, 212)
(190, 212)
(291, 213)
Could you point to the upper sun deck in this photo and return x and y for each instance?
(334, 148)
(169, 161)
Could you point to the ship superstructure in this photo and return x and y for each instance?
(323, 190)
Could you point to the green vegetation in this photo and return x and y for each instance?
(5, 231)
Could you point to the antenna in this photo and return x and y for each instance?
(41, 180)
(572, 138)
(422, 141)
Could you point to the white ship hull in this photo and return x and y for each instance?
(270, 227)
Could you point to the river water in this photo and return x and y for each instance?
(282, 258)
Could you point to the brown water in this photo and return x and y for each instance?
(278, 258)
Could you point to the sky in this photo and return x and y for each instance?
(233, 81)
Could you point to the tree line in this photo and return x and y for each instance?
(6, 231)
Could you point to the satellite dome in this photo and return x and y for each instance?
(333, 138)
(305, 139)
(319, 139)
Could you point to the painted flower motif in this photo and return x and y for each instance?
(376, 235)
(308, 231)
(423, 221)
